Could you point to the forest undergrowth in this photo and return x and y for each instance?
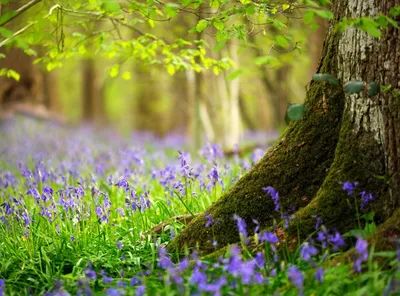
(78, 209)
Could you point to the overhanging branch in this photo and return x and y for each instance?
(20, 10)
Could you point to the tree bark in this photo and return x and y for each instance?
(341, 138)
(90, 91)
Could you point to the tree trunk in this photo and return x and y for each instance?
(90, 91)
(341, 138)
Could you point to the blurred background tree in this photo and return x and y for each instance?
(102, 62)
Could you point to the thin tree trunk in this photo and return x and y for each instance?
(341, 138)
(90, 91)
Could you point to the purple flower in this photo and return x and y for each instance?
(336, 240)
(214, 175)
(90, 274)
(307, 251)
(319, 275)
(163, 260)
(274, 195)
(362, 250)
(113, 292)
(209, 220)
(349, 187)
(296, 277)
(134, 281)
(365, 199)
(140, 290)
(269, 237)
(123, 183)
(107, 280)
(241, 224)
(119, 245)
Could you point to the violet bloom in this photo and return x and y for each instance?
(140, 290)
(214, 175)
(107, 280)
(366, 198)
(123, 183)
(274, 195)
(319, 275)
(209, 220)
(119, 245)
(349, 187)
(113, 292)
(336, 240)
(269, 237)
(362, 251)
(2, 287)
(134, 281)
(296, 277)
(163, 260)
(241, 224)
(307, 251)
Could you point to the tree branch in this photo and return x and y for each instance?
(20, 11)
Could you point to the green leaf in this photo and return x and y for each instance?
(201, 25)
(111, 6)
(325, 14)
(126, 75)
(114, 70)
(10, 74)
(373, 89)
(2, 56)
(5, 32)
(267, 60)
(319, 77)
(235, 74)
(219, 25)
(7, 16)
(282, 41)
(353, 87)
(296, 111)
(370, 27)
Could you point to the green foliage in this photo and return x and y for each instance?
(295, 112)
(326, 77)
(353, 87)
(10, 74)
(373, 26)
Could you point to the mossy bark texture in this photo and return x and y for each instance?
(341, 138)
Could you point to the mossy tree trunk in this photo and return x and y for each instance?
(341, 138)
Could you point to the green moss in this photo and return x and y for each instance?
(357, 158)
(296, 166)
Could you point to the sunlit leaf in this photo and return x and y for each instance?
(114, 70)
(201, 25)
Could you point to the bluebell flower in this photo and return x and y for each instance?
(107, 280)
(209, 220)
(319, 275)
(241, 224)
(274, 195)
(269, 237)
(113, 292)
(163, 260)
(366, 198)
(362, 251)
(307, 251)
(119, 245)
(296, 277)
(349, 187)
(336, 240)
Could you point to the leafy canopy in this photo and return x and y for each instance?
(128, 29)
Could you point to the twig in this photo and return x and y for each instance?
(5, 41)
(20, 11)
